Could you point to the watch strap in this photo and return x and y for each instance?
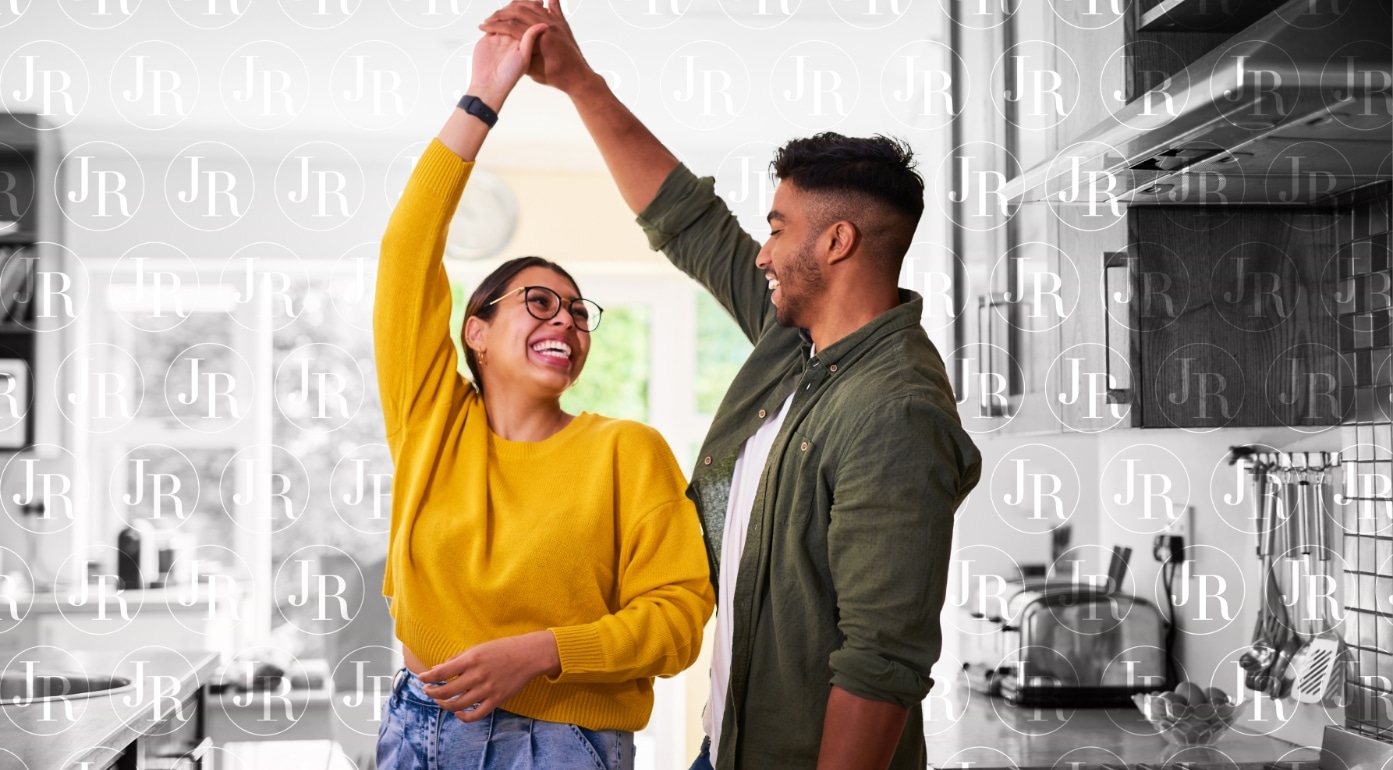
(476, 107)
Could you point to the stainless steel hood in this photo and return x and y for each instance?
(1295, 109)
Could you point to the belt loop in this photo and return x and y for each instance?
(398, 682)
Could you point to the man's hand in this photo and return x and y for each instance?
(486, 675)
(556, 59)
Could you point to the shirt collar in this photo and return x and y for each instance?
(908, 313)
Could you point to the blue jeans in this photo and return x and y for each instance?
(703, 760)
(416, 734)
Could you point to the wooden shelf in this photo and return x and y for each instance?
(1205, 15)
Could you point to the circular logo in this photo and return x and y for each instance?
(99, 186)
(264, 85)
(44, 503)
(264, 502)
(1080, 386)
(1303, 385)
(1033, 71)
(320, 14)
(870, 14)
(374, 85)
(153, 300)
(100, 387)
(814, 85)
(206, 590)
(756, 14)
(60, 291)
(430, 14)
(154, 85)
(1035, 488)
(10, 15)
(360, 489)
(916, 85)
(704, 85)
(352, 285)
(650, 14)
(986, 371)
(319, 387)
(209, 186)
(102, 14)
(977, 189)
(320, 186)
(44, 84)
(215, 14)
(617, 67)
(209, 387)
(96, 603)
(363, 680)
(155, 484)
(319, 589)
(1145, 488)
(1199, 387)
(928, 268)
(270, 279)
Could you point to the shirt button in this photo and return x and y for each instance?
(804, 446)
(832, 368)
(707, 461)
(761, 414)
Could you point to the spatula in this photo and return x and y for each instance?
(1315, 669)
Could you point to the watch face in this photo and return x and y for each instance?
(485, 220)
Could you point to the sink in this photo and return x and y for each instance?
(25, 688)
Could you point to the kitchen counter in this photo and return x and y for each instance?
(101, 725)
(990, 733)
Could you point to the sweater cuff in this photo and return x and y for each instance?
(441, 173)
(580, 650)
(677, 205)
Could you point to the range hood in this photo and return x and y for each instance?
(1295, 109)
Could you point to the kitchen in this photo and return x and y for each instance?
(277, 170)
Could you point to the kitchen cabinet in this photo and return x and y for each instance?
(1014, 271)
(29, 236)
(177, 743)
(1198, 222)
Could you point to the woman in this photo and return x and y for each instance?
(542, 567)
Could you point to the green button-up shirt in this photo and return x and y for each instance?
(846, 557)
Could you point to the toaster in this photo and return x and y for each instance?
(1065, 644)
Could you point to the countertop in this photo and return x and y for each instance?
(990, 733)
(102, 724)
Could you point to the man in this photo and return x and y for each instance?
(829, 479)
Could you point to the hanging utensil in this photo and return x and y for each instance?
(1266, 648)
(1319, 669)
(1278, 679)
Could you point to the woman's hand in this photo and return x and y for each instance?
(500, 62)
(558, 61)
(486, 675)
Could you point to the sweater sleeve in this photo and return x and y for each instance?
(417, 367)
(664, 583)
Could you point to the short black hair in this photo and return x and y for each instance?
(878, 167)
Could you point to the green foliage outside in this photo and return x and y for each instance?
(721, 349)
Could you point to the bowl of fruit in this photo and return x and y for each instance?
(1190, 715)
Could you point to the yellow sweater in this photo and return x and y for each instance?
(588, 533)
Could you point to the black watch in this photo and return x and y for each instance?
(476, 107)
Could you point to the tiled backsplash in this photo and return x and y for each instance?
(1366, 321)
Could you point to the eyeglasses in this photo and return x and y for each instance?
(543, 304)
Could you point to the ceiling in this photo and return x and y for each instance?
(858, 53)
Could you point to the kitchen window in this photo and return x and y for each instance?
(665, 355)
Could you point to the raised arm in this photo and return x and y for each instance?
(698, 234)
(416, 362)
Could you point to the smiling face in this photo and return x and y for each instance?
(524, 352)
(789, 259)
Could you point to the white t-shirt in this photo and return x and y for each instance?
(744, 485)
